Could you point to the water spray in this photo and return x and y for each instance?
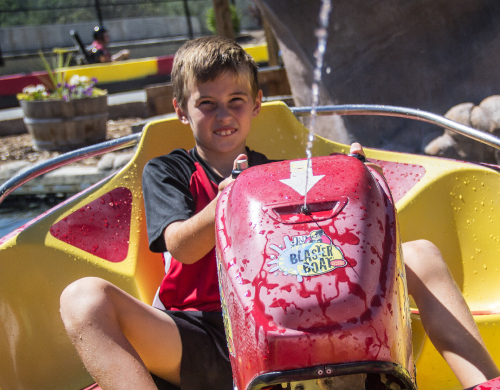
(322, 35)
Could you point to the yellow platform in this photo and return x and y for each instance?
(453, 204)
(140, 68)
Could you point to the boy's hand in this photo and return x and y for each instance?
(228, 180)
(356, 148)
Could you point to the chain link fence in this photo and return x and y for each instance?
(43, 12)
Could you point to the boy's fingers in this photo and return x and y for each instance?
(356, 148)
(224, 183)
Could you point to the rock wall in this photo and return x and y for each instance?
(426, 54)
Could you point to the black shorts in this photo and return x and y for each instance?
(205, 358)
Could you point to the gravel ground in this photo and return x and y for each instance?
(20, 147)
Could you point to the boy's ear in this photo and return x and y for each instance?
(181, 114)
(257, 104)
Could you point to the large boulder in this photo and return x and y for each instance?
(484, 117)
(426, 54)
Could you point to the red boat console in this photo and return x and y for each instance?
(312, 292)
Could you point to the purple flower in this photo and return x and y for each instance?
(93, 80)
(66, 98)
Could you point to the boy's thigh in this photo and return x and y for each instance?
(205, 358)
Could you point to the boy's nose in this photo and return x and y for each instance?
(222, 113)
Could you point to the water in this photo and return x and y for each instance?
(13, 217)
(322, 35)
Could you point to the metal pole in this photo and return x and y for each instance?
(1, 58)
(66, 158)
(402, 112)
(188, 18)
(98, 10)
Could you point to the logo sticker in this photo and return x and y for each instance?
(307, 255)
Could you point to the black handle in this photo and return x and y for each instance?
(360, 157)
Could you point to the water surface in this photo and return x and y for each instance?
(13, 217)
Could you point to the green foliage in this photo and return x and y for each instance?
(56, 72)
(56, 86)
(235, 19)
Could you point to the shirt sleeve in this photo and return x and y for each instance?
(167, 197)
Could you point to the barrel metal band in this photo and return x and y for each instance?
(30, 121)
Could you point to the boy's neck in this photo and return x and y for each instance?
(222, 164)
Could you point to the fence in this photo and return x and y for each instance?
(24, 25)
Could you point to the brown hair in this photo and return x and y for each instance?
(205, 59)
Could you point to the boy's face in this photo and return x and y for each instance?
(220, 114)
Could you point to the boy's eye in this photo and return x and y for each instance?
(236, 100)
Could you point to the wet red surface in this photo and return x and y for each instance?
(323, 286)
(400, 177)
(101, 227)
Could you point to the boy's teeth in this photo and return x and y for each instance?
(226, 132)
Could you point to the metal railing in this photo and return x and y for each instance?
(402, 112)
(65, 159)
(350, 109)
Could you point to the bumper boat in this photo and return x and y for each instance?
(301, 300)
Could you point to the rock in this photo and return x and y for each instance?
(443, 146)
(106, 162)
(484, 117)
(121, 160)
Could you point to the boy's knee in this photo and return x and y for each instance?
(424, 262)
(81, 300)
(420, 249)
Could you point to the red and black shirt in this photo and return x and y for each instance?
(176, 187)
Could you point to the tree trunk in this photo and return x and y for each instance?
(223, 18)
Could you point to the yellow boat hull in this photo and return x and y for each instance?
(452, 203)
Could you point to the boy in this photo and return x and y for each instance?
(121, 340)
(99, 49)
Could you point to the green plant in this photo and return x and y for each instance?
(235, 19)
(55, 86)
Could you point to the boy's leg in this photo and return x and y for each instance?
(120, 339)
(445, 315)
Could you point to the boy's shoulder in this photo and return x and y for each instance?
(180, 164)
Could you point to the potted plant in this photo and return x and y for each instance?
(63, 115)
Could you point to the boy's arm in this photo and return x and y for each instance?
(190, 240)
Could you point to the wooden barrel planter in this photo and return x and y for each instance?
(57, 125)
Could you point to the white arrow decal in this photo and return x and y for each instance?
(298, 175)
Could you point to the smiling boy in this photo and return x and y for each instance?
(120, 339)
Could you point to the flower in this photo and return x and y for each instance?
(55, 86)
(79, 87)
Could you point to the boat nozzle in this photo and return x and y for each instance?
(241, 165)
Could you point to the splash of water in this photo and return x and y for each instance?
(322, 35)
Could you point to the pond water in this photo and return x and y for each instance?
(12, 217)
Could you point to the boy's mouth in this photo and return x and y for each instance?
(225, 132)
